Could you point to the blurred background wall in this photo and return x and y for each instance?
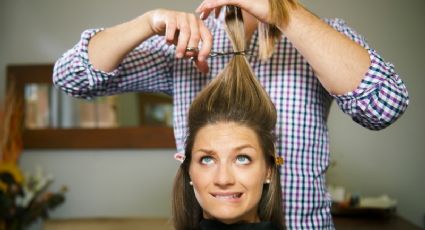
(138, 182)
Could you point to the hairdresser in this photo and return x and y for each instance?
(302, 61)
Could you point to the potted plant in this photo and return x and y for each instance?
(23, 199)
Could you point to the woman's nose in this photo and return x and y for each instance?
(224, 175)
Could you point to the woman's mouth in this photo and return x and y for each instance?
(227, 196)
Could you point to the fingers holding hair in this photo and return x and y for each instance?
(207, 6)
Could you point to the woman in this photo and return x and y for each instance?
(229, 178)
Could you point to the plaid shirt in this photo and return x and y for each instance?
(301, 102)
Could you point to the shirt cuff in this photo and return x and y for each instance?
(378, 72)
(82, 63)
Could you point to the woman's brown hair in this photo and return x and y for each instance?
(235, 95)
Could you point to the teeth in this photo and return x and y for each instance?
(233, 196)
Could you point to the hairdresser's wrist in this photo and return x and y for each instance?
(144, 24)
(295, 13)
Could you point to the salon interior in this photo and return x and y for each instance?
(108, 163)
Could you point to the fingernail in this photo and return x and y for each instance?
(201, 16)
(201, 58)
(179, 55)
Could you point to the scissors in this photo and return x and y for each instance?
(218, 53)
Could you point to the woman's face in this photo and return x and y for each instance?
(228, 171)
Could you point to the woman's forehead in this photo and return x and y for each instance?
(225, 136)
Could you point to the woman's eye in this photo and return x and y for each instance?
(207, 160)
(243, 160)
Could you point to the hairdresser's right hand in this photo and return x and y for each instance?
(183, 30)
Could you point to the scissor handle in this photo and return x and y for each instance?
(218, 53)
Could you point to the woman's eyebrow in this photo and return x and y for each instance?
(212, 152)
(207, 151)
(245, 146)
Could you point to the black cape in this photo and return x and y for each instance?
(214, 225)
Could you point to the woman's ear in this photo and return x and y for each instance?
(268, 175)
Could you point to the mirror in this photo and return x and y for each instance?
(47, 107)
(55, 120)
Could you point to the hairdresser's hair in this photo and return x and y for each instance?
(235, 95)
(269, 33)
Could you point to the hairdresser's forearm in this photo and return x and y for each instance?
(339, 62)
(108, 48)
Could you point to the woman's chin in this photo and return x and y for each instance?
(229, 216)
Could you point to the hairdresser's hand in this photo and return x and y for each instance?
(258, 8)
(184, 30)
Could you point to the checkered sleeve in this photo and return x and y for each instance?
(147, 68)
(381, 97)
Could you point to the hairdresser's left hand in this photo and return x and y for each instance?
(258, 8)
